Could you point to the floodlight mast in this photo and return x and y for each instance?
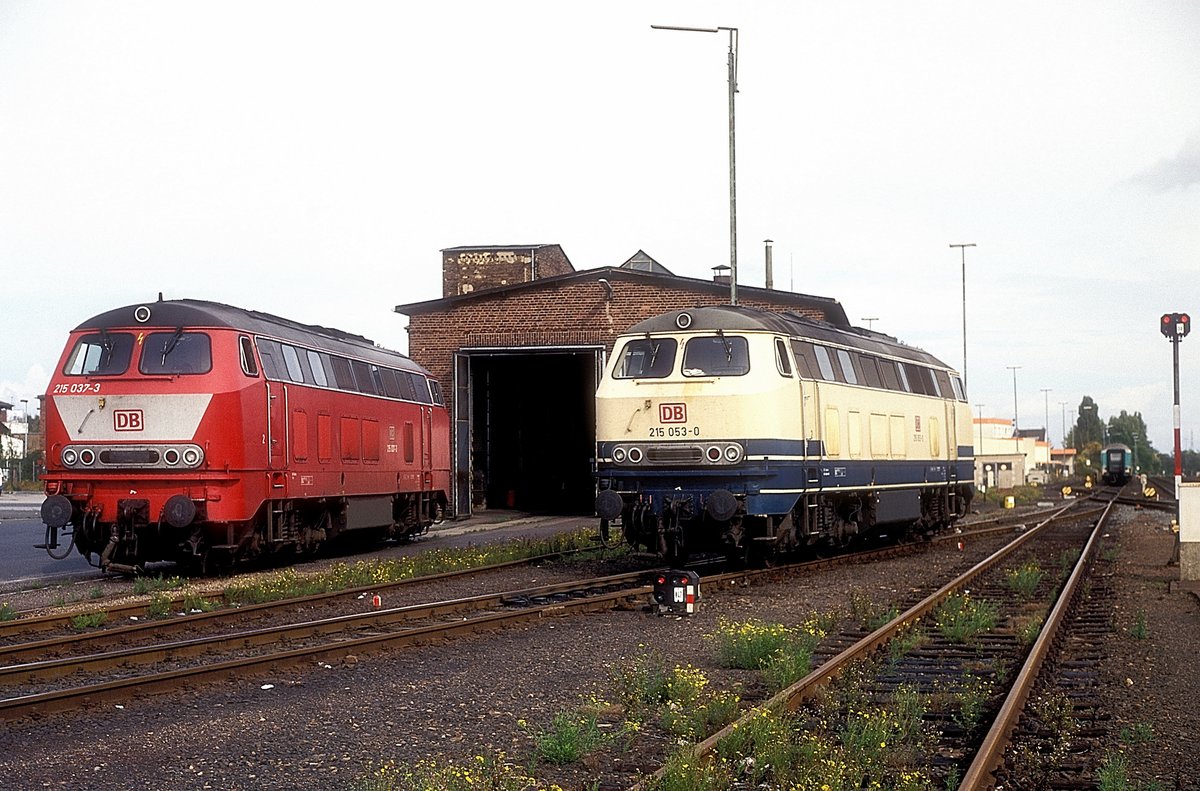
(733, 54)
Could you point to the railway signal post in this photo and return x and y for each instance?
(1175, 327)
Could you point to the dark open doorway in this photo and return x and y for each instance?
(533, 425)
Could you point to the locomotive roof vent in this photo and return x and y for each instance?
(141, 314)
(683, 320)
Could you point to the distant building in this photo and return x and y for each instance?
(1004, 458)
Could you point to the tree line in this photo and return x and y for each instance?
(1089, 434)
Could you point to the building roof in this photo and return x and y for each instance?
(642, 262)
(830, 308)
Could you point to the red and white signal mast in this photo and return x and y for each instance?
(1175, 326)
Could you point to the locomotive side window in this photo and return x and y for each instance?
(342, 375)
(887, 369)
(408, 390)
(824, 363)
(958, 388)
(249, 366)
(317, 368)
(437, 392)
(646, 358)
(806, 363)
(847, 366)
(390, 383)
(716, 355)
(362, 375)
(105, 354)
(292, 361)
(176, 352)
(272, 358)
(943, 381)
(421, 389)
(903, 378)
(870, 369)
(782, 363)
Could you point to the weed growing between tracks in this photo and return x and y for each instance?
(289, 584)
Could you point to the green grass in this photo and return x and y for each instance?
(1024, 580)
(88, 621)
(961, 619)
(288, 584)
(569, 737)
(7, 613)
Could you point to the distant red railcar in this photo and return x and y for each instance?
(206, 434)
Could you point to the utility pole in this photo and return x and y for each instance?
(963, 247)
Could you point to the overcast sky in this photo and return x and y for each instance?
(310, 159)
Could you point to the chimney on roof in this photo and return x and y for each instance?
(721, 274)
(770, 265)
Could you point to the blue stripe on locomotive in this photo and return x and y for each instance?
(773, 478)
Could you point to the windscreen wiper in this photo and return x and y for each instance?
(170, 346)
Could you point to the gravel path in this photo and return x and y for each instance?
(322, 727)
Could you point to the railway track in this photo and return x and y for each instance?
(63, 671)
(994, 670)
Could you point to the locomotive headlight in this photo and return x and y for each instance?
(733, 453)
(171, 456)
(191, 456)
(635, 455)
(87, 456)
(713, 454)
(619, 455)
(69, 457)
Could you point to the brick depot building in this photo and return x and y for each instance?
(519, 341)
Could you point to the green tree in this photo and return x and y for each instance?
(1131, 430)
(1088, 426)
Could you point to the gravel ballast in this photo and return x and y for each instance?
(319, 727)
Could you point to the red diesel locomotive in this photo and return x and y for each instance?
(206, 434)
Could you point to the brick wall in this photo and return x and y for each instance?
(466, 271)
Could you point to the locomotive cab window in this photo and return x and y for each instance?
(104, 354)
(716, 355)
(176, 352)
(646, 358)
(781, 358)
(246, 348)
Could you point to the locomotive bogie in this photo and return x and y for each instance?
(261, 436)
(798, 433)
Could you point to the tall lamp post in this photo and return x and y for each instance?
(733, 54)
(1016, 424)
(963, 247)
(1046, 425)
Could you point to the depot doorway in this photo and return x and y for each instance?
(529, 433)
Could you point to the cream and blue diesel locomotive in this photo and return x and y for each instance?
(751, 433)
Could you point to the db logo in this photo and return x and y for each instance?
(128, 420)
(672, 413)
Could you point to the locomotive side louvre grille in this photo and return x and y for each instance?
(674, 454)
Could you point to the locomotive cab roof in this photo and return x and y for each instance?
(175, 313)
(739, 318)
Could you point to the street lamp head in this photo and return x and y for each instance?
(691, 29)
